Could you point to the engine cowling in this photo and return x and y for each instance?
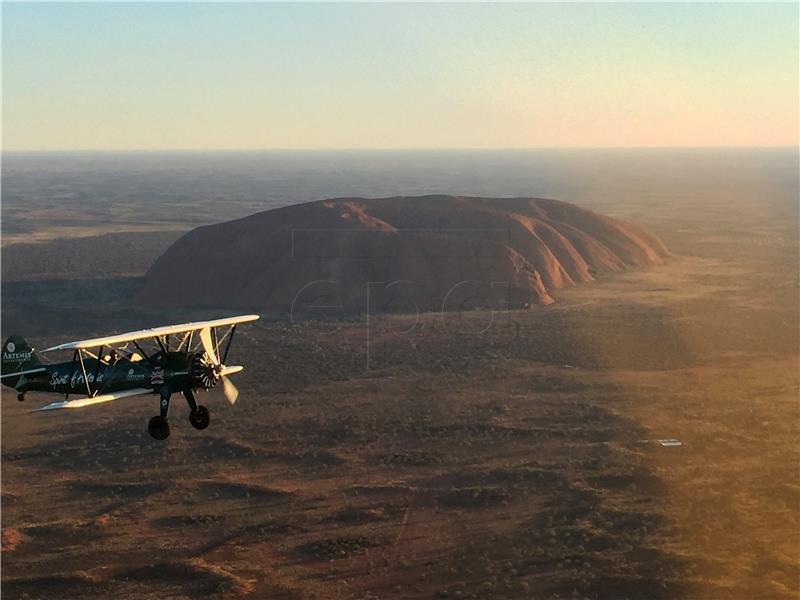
(203, 372)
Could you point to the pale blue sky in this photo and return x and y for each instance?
(139, 76)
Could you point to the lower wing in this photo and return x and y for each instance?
(81, 402)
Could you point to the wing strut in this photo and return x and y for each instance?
(85, 376)
(147, 357)
(97, 369)
(228, 345)
(71, 373)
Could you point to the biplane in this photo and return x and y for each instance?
(163, 361)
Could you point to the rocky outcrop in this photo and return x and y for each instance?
(349, 255)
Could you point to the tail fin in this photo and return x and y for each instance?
(17, 359)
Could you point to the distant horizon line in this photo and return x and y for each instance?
(390, 149)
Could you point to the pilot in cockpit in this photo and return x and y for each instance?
(121, 354)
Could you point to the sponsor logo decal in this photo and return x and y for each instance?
(134, 376)
(157, 376)
(11, 346)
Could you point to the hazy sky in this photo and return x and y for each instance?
(142, 76)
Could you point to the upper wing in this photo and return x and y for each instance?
(81, 402)
(151, 333)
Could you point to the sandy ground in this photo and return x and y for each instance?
(520, 460)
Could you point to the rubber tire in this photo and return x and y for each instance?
(200, 418)
(158, 428)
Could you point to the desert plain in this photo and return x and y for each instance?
(475, 454)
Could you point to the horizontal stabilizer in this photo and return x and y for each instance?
(27, 372)
(81, 402)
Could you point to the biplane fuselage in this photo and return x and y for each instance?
(181, 359)
(172, 371)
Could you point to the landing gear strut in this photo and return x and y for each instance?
(199, 416)
(158, 427)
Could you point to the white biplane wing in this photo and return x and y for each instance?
(81, 402)
(154, 332)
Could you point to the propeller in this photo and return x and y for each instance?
(228, 389)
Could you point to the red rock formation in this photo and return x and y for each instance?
(430, 252)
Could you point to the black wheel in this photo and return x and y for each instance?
(21, 397)
(158, 427)
(200, 418)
